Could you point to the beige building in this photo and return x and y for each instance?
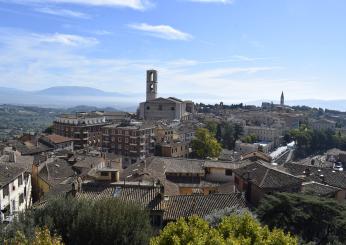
(175, 149)
(265, 134)
(322, 124)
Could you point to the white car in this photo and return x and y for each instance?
(338, 166)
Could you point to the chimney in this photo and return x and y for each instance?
(12, 157)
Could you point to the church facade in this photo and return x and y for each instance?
(162, 108)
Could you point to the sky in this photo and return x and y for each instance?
(232, 50)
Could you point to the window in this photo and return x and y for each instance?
(172, 108)
(120, 140)
(104, 174)
(160, 107)
(5, 191)
(21, 199)
(20, 180)
(126, 140)
(228, 172)
(148, 107)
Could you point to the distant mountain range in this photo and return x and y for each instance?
(69, 96)
(76, 91)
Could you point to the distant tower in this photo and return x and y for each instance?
(282, 100)
(151, 85)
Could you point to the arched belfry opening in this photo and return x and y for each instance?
(151, 85)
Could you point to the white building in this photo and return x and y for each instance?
(15, 191)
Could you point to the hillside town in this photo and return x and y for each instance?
(176, 158)
(153, 157)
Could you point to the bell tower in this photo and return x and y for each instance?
(282, 99)
(151, 84)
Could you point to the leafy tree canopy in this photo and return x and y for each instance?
(310, 141)
(105, 221)
(205, 145)
(313, 218)
(235, 229)
(42, 237)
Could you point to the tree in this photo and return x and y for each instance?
(49, 130)
(205, 145)
(235, 229)
(194, 230)
(42, 237)
(105, 221)
(310, 141)
(228, 133)
(238, 131)
(251, 138)
(228, 136)
(246, 230)
(313, 218)
(212, 127)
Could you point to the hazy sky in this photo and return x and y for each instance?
(235, 49)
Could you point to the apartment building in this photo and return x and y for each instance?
(84, 128)
(134, 141)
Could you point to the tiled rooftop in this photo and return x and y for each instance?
(266, 177)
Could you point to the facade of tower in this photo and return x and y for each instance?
(282, 100)
(151, 85)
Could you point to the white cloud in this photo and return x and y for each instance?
(101, 32)
(63, 12)
(162, 31)
(134, 4)
(212, 1)
(65, 39)
(34, 61)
